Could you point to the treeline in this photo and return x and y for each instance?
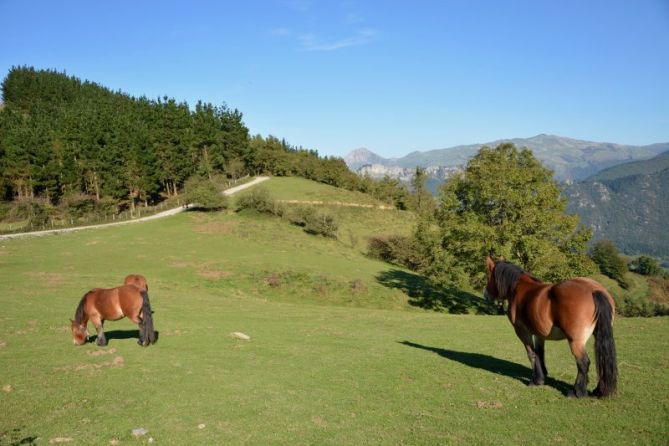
(63, 140)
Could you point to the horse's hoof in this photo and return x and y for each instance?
(535, 384)
(572, 394)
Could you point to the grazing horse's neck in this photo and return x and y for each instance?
(80, 316)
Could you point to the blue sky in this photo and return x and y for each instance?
(392, 76)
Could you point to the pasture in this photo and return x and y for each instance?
(327, 362)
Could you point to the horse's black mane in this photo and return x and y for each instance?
(506, 278)
(79, 314)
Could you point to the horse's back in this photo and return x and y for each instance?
(114, 303)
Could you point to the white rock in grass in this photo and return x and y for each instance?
(240, 335)
(139, 432)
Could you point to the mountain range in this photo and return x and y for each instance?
(571, 159)
(628, 204)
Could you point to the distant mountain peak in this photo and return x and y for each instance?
(570, 159)
(362, 156)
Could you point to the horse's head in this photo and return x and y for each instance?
(491, 291)
(79, 333)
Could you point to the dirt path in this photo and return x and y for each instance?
(338, 203)
(162, 214)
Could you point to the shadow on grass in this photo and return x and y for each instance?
(492, 365)
(426, 295)
(120, 334)
(14, 437)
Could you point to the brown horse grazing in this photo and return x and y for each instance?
(99, 305)
(138, 280)
(572, 310)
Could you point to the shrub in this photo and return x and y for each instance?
(36, 210)
(610, 263)
(301, 215)
(396, 249)
(78, 205)
(323, 224)
(314, 222)
(204, 194)
(646, 266)
(259, 200)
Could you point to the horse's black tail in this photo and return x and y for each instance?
(147, 320)
(605, 346)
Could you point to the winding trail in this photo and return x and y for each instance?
(167, 213)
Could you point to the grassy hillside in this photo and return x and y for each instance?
(327, 363)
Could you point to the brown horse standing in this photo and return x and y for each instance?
(99, 305)
(138, 280)
(572, 310)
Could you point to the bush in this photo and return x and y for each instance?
(314, 222)
(610, 263)
(36, 210)
(636, 308)
(259, 200)
(646, 266)
(204, 194)
(301, 215)
(321, 224)
(396, 249)
(78, 205)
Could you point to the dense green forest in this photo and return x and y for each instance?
(72, 144)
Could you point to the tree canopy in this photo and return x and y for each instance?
(506, 202)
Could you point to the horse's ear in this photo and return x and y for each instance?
(489, 263)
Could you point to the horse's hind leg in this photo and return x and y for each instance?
(137, 319)
(582, 364)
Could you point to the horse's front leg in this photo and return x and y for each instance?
(539, 350)
(99, 327)
(536, 360)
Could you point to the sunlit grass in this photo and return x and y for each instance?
(328, 362)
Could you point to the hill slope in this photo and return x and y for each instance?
(628, 204)
(325, 374)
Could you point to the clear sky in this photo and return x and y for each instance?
(392, 76)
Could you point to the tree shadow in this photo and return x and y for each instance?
(121, 334)
(422, 293)
(492, 365)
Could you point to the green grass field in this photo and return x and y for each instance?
(327, 363)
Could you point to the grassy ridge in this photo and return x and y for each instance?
(326, 363)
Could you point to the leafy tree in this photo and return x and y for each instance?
(506, 201)
(204, 195)
(608, 259)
